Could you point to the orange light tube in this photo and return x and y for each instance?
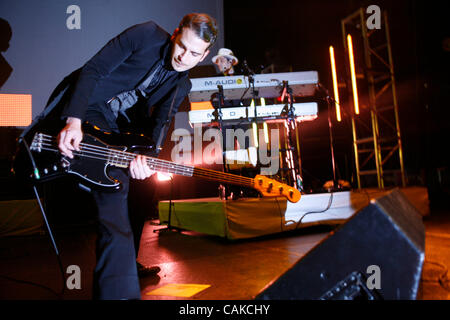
(335, 85)
(353, 74)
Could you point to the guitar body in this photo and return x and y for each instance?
(91, 172)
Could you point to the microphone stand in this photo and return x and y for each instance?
(169, 226)
(291, 109)
(297, 179)
(219, 118)
(330, 129)
(251, 79)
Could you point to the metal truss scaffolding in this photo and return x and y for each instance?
(376, 132)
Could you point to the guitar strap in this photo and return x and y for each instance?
(166, 125)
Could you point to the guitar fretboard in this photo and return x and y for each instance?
(120, 158)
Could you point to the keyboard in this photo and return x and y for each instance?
(268, 85)
(302, 111)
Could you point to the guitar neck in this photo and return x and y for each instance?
(223, 177)
(123, 159)
(99, 151)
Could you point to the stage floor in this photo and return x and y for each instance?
(234, 270)
(221, 269)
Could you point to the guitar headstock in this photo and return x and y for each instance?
(272, 188)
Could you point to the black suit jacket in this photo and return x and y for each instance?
(121, 65)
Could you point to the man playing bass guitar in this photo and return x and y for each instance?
(143, 71)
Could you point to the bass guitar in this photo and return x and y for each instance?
(91, 164)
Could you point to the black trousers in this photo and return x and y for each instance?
(115, 274)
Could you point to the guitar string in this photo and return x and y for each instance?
(99, 156)
(99, 148)
(206, 173)
(105, 157)
(165, 165)
(110, 153)
(209, 172)
(158, 168)
(171, 169)
(131, 156)
(168, 165)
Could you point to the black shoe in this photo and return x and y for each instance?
(144, 271)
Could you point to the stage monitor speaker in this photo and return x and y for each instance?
(377, 254)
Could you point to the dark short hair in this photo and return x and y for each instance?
(204, 26)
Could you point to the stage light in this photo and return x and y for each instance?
(353, 73)
(255, 134)
(263, 101)
(163, 176)
(266, 133)
(335, 85)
